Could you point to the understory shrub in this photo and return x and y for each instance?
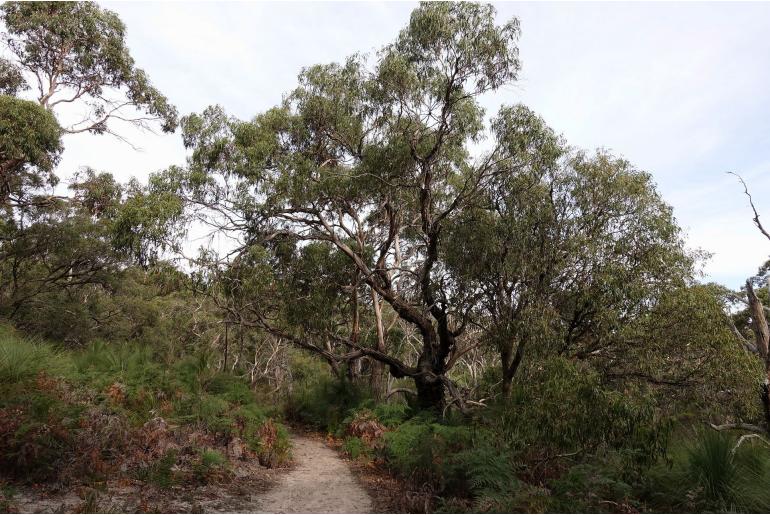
(355, 447)
(324, 402)
(81, 414)
(710, 471)
(561, 406)
(160, 472)
(421, 450)
(209, 464)
(22, 359)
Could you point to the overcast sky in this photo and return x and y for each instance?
(681, 90)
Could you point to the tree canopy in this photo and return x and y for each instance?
(373, 163)
(76, 52)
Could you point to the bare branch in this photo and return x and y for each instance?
(738, 426)
(753, 208)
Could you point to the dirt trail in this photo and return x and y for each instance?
(320, 483)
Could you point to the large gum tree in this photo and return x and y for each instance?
(372, 161)
(470, 230)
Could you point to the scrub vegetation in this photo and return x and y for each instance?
(460, 299)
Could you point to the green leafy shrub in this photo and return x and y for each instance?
(22, 359)
(73, 414)
(563, 406)
(230, 388)
(209, 464)
(707, 472)
(481, 472)
(355, 448)
(160, 472)
(391, 414)
(592, 487)
(325, 402)
(420, 450)
(274, 445)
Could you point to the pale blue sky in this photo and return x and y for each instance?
(680, 89)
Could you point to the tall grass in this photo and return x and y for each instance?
(709, 472)
(23, 359)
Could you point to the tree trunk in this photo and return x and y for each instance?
(224, 363)
(510, 365)
(505, 386)
(354, 365)
(762, 339)
(758, 322)
(376, 378)
(430, 389)
(430, 393)
(333, 363)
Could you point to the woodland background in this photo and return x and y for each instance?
(500, 320)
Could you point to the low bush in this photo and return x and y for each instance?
(160, 472)
(324, 402)
(421, 450)
(274, 447)
(22, 359)
(355, 448)
(710, 471)
(209, 465)
(82, 414)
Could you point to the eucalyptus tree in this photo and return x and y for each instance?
(75, 52)
(30, 148)
(372, 161)
(566, 251)
(453, 222)
(69, 54)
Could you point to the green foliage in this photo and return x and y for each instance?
(230, 388)
(391, 414)
(683, 351)
(160, 472)
(145, 221)
(31, 136)
(320, 400)
(355, 447)
(208, 463)
(706, 472)
(596, 486)
(38, 424)
(30, 148)
(339, 145)
(67, 414)
(562, 405)
(485, 474)
(274, 447)
(21, 360)
(11, 79)
(80, 46)
(711, 465)
(420, 450)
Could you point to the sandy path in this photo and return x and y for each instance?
(320, 483)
